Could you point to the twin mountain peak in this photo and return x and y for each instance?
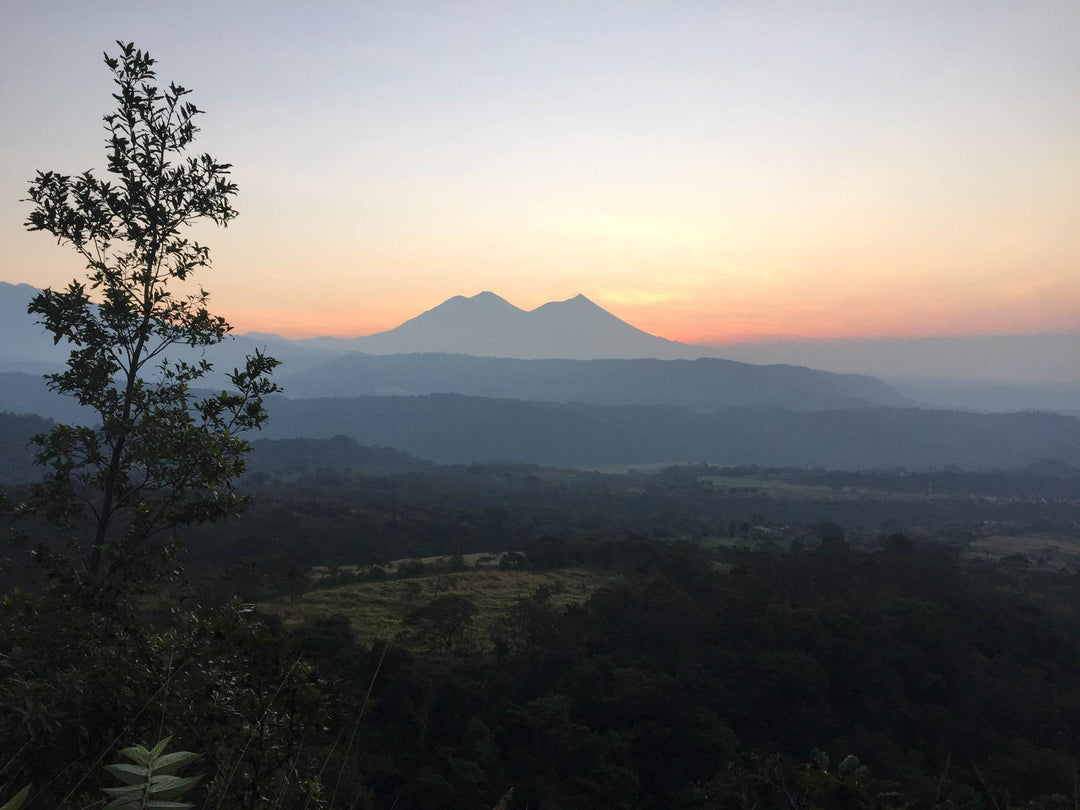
(479, 346)
(485, 346)
(488, 325)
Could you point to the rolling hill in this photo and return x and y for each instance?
(702, 384)
(450, 428)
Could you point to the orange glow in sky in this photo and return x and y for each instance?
(710, 173)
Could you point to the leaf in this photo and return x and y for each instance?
(18, 800)
(156, 785)
(171, 763)
(171, 787)
(125, 790)
(137, 754)
(156, 752)
(128, 774)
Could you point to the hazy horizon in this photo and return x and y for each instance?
(1046, 358)
(1020, 358)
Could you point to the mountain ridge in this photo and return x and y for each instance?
(487, 325)
(701, 384)
(495, 324)
(451, 428)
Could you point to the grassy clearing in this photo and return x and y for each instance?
(478, 559)
(791, 490)
(376, 609)
(1039, 548)
(627, 469)
(771, 485)
(714, 541)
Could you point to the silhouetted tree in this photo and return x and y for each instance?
(159, 458)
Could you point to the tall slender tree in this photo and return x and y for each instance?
(158, 456)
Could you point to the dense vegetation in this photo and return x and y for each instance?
(386, 508)
(722, 657)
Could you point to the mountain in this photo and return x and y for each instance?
(454, 429)
(26, 347)
(703, 384)
(16, 451)
(337, 452)
(28, 394)
(489, 326)
(576, 349)
(978, 360)
(976, 395)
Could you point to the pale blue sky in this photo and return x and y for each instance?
(707, 171)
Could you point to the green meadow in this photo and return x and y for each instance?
(376, 610)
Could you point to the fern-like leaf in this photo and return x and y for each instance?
(153, 782)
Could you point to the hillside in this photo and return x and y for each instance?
(452, 428)
(703, 384)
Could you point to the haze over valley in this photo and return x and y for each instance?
(477, 346)
(568, 384)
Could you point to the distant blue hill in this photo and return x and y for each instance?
(703, 384)
(450, 429)
(469, 346)
(575, 351)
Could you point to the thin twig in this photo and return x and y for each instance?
(165, 699)
(13, 757)
(254, 730)
(325, 762)
(986, 787)
(356, 728)
(104, 751)
(285, 787)
(941, 781)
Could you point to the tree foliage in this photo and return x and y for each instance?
(160, 456)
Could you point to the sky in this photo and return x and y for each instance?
(712, 172)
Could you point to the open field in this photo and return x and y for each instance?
(776, 484)
(1044, 548)
(480, 559)
(778, 488)
(376, 609)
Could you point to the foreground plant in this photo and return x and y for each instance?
(153, 781)
(156, 457)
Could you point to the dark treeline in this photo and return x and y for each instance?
(764, 638)
(16, 457)
(833, 678)
(671, 689)
(346, 516)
